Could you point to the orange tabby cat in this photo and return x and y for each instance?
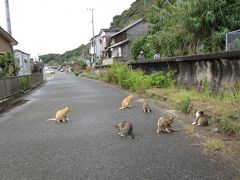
(61, 115)
(126, 103)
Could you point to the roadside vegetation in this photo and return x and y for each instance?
(215, 144)
(222, 109)
(179, 28)
(8, 66)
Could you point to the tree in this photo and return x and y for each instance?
(183, 27)
(7, 61)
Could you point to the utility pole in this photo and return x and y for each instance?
(9, 30)
(94, 40)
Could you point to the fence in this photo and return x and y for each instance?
(12, 85)
(233, 40)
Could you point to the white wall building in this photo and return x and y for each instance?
(102, 41)
(97, 48)
(23, 61)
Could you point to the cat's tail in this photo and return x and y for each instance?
(52, 119)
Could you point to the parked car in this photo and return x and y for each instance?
(49, 71)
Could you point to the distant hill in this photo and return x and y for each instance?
(81, 52)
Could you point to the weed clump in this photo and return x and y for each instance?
(185, 105)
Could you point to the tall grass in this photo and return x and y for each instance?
(110, 75)
(26, 83)
(230, 127)
(121, 75)
(230, 92)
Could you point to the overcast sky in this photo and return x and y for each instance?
(56, 26)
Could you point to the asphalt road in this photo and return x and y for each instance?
(88, 146)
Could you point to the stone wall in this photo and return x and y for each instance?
(217, 69)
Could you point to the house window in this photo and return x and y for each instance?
(17, 60)
(113, 52)
(100, 41)
(25, 61)
(119, 52)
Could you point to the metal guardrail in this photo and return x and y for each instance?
(10, 86)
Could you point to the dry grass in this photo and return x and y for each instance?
(215, 144)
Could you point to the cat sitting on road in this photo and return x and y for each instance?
(201, 119)
(125, 129)
(126, 103)
(164, 124)
(145, 107)
(61, 115)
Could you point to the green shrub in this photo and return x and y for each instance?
(25, 83)
(185, 105)
(142, 44)
(160, 80)
(137, 81)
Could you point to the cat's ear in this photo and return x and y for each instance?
(67, 108)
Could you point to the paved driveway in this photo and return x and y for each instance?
(88, 146)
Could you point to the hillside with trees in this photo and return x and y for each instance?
(81, 52)
(184, 27)
(138, 9)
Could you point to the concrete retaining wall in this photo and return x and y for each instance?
(217, 69)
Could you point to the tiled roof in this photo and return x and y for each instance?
(129, 26)
(7, 36)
